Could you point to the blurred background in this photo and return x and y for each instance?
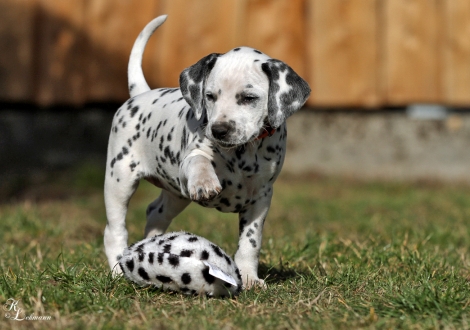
(390, 79)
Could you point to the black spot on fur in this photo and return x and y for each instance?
(143, 274)
(134, 111)
(151, 255)
(237, 271)
(186, 278)
(164, 279)
(130, 265)
(217, 250)
(141, 256)
(192, 239)
(140, 248)
(227, 259)
(253, 242)
(160, 258)
(174, 260)
(169, 90)
(167, 248)
(204, 255)
(238, 207)
(208, 277)
(236, 49)
(186, 253)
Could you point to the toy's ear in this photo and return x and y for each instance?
(192, 82)
(287, 91)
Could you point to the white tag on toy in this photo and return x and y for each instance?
(220, 274)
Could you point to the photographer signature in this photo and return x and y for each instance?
(13, 311)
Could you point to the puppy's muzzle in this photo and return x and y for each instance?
(222, 130)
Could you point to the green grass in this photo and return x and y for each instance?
(337, 254)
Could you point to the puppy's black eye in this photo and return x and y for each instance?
(210, 97)
(249, 99)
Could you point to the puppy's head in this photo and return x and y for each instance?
(241, 92)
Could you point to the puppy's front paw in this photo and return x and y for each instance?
(204, 186)
(252, 283)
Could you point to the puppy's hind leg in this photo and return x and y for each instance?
(118, 189)
(162, 210)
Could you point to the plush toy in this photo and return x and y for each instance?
(182, 262)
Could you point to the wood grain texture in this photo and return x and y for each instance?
(17, 59)
(193, 30)
(457, 53)
(413, 57)
(111, 28)
(353, 53)
(343, 52)
(276, 28)
(59, 52)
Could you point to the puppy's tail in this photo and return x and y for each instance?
(137, 83)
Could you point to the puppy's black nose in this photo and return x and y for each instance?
(221, 129)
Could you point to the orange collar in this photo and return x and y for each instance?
(267, 131)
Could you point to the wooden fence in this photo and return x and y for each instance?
(354, 53)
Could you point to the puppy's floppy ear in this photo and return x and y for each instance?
(192, 81)
(287, 91)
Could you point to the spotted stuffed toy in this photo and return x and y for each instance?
(181, 262)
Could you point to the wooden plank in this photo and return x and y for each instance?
(412, 56)
(59, 52)
(111, 28)
(457, 52)
(193, 30)
(16, 43)
(343, 52)
(284, 38)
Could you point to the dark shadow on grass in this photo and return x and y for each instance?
(280, 274)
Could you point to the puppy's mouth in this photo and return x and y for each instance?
(226, 144)
(265, 131)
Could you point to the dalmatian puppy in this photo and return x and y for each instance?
(219, 140)
(182, 262)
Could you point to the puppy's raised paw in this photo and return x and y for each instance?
(204, 186)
